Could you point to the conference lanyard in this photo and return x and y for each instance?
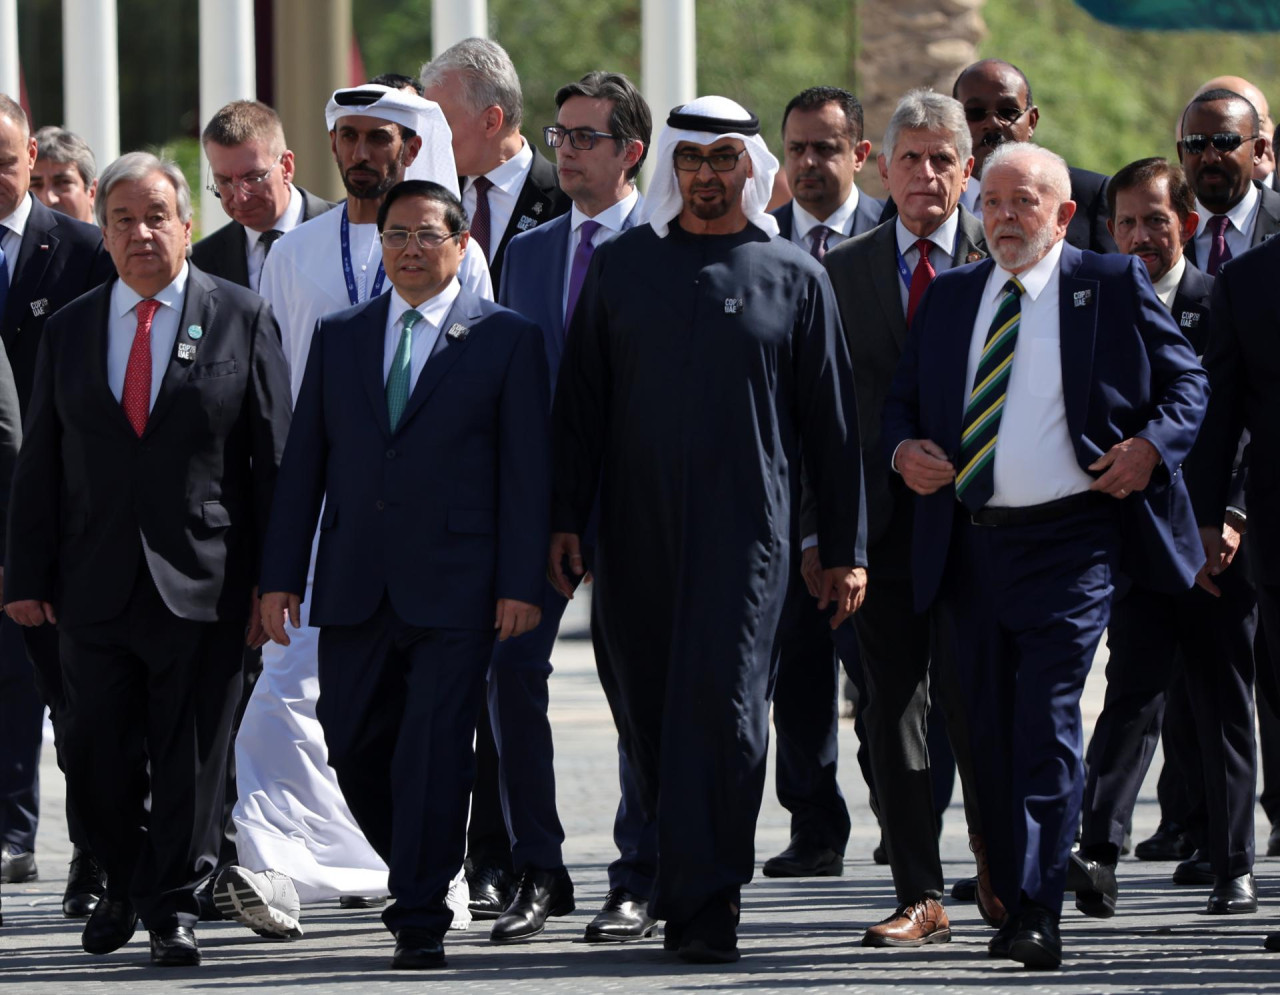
(348, 271)
(904, 272)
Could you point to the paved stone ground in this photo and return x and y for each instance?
(795, 935)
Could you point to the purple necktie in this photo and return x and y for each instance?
(578, 271)
(480, 216)
(1219, 252)
(818, 241)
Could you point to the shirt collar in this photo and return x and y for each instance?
(944, 236)
(433, 310)
(289, 220)
(126, 298)
(17, 221)
(1033, 280)
(1241, 215)
(612, 217)
(509, 177)
(1167, 285)
(802, 221)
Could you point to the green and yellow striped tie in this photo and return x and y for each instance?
(975, 479)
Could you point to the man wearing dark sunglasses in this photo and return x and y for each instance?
(1219, 148)
(999, 108)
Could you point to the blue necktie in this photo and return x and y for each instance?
(401, 365)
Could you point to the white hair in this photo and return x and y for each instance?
(922, 109)
(1053, 172)
(134, 166)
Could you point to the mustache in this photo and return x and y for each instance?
(1008, 228)
(992, 139)
(708, 185)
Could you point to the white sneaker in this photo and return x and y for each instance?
(457, 900)
(265, 901)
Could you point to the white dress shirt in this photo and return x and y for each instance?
(508, 180)
(611, 220)
(1167, 285)
(255, 251)
(943, 237)
(840, 222)
(14, 227)
(426, 331)
(122, 326)
(1035, 459)
(1239, 233)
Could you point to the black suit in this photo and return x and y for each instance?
(223, 253)
(895, 641)
(540, 200)
(1266, 223)
(59, 259)
(148, 548)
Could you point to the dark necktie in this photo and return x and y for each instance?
(4, 273)
(1219, 251)
(480, 217)
(267, 239)
(924, 273)
(135, 398)
(578, 271)
(818, 241)
(401, 369)
(975, 474)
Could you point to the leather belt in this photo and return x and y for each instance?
(1036, 514)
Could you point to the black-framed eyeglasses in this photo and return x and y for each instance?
(398, 238)
(721, 162)
(248, 185)
(1222, 142)
(582, 139)
(1006, 115)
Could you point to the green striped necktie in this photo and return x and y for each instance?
(975, 479)
(398, 379)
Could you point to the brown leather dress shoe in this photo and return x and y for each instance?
(990, 907)
(913, 925)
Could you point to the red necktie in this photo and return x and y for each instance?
(136, 396)
(920, 278)
(480, 216)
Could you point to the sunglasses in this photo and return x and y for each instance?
(976, 115)
(1223, 142)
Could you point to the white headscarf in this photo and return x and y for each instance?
(724, 118)
(435, 158)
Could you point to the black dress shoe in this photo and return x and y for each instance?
(1194, 870)
(417, 950)
(110, 926)
(802, 859)
(174, 947)
(17, 866)
(86, 883)
(491, 891)
(711, 936)
(1000, 944)
(362, 901)
(965, 890)
(1273, 841)
(1233, 896)
(624, 917)
(1037, 943)
(1094, 884)
(540, 894)
(1169, 842)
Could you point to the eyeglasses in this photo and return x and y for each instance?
(721, 162)
(582, 139)
(1006, 115)
(398, 238)
(1223, 142)
(248, 185)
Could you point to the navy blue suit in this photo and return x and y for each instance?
(1024, 605)
(424, 529)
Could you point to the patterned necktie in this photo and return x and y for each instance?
(818, 241)
(480, 217)
(1219, 251)
(136, 396)
(920, 279)
(975, 480)
(578, 272)
(401, 367)
(267, 239)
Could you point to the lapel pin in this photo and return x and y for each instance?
(526, 222)
(39, 307)
(186, 351)
(458, 331)
(974, 256)
(195, 332)
(1190, 319)
(734, 305)
(1081, 298)
(536, 208)
(44, 248)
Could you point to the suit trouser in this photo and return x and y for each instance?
(397, 706)
(21, 732)
(1210, 642)
(1266, 683)
(150, 698)
(252, 670)
(1024, 608)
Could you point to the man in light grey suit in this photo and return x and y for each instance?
(879, 278)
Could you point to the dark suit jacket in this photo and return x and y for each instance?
(446, 514)
(60, 259)
(864, 273)
(223, 253)
(865, 216)
(540, 200)
(1266, 224)
(196, 486)
(1126, 371)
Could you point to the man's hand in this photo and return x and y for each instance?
(31, 612)
(564, 544)
(845, 587)
(275, 605)
(515, 618)
(811, 569)
(924, 465)
(1128, 466)
(1220, 546)
(255, 636)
